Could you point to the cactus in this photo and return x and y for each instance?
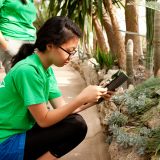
(129, 65)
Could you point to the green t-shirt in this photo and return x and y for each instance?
(16, 19)
(27, 83)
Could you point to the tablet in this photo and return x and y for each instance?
(116, 80)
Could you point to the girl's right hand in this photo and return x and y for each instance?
(92, 93)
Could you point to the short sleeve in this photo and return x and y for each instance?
(29, 85)
(1, 3)
(54, 91)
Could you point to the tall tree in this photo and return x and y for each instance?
(149, 38)
(77, 10)
(121, 55)
(109, 31)
(100, 35)
(156, 41)
(131, 18)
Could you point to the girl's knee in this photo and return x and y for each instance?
(79, 124)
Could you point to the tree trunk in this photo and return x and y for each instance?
(120, 43)
(149, 36)
(99, 33)
(109, 31)
(86, 48)
(156, 41)
(131, 18)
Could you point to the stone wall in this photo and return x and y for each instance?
(93, 76)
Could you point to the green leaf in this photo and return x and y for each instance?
(157, 149)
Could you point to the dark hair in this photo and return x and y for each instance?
(56, 30)
(24, 1)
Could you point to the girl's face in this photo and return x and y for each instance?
(60, 56)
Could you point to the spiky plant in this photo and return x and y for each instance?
(105, 60)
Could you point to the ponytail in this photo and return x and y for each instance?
(24, 1)
(24, 51)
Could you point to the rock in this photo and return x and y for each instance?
(90, 74)
(105, 108)
(155, 157)
(134, 156)
(87, 71)
(130, 87)
(119, 153)
(101, 74)
(152, 117)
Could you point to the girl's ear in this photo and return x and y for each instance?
(49, 46)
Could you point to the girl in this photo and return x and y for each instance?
(28, 129)
(16, 27)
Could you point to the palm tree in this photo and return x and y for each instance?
(78, 10)
(42, 13)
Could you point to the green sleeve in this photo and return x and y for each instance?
(29, 85)
(1, 3)
(54, 91)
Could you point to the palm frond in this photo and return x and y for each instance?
(118, 3)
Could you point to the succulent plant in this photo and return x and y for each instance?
(118, 119)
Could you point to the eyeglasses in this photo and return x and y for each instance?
(70, 53)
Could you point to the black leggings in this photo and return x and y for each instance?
(58, 139)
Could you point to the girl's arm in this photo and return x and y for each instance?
(88, 105)
(46, 118)
(59, 102)
(83, 107)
